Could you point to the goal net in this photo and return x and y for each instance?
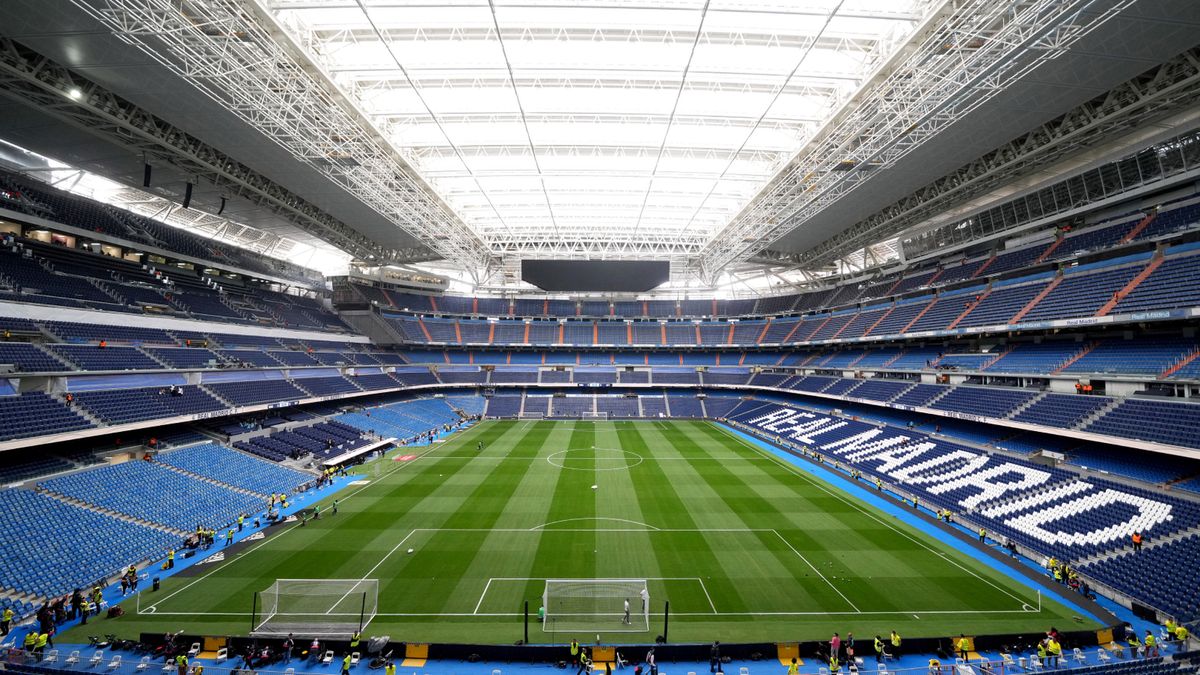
(594, 415)
(532, 416)
(320, 607)
(595, 605)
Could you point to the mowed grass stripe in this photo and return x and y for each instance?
(438, 577)
(504, 552)
(330, 548)
(683, 554)
(674, 489)
(890, 563)
(742, 496)
(568, 554)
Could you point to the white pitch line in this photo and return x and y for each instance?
(703, 614)
(619, 520)
(481, 596)
(705, 589)
(265, 541)
(857, 506)
(814, 568)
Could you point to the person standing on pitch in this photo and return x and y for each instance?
(645, 598)
(626, 620)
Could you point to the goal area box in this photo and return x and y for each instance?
(595, 605)
(318, 607)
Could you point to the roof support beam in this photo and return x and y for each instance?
(1171, 87)
(30, 77)
(236, 55)
(969, 54)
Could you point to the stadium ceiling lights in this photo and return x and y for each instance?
(623, 128)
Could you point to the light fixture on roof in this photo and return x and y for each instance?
(74, 93)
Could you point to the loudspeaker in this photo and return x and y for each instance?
(222, 209)
(187, 196)
(146, 175)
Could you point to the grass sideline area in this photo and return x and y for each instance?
(746, 547)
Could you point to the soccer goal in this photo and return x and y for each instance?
(320, 607)
(586, 415)
(532, 416)
(596, 605)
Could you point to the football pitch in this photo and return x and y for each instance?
(744, 546)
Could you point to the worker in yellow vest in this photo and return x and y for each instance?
(964, 646)
(39, 647)
(1151, 645)
(31, 641)
(6, 621)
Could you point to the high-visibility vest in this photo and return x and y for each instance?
(964, 644)
(30, 639)
(43, 639)
(895, 639)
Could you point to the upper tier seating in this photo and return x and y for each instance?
(257, 391)
(1062, 410)
(1152, 420)
(48, 202)
(29, 359)
(93, 357)
(115, 406)
(982, 401)
(36, 414)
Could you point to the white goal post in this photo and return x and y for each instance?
(317, 607)
(532, 416)
(594, 415)
(585, 605)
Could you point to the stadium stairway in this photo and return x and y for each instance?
(1075, 357)
(1180, 364)
(1133, 284)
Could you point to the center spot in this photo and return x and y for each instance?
(595, 459)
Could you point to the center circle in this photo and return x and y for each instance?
(595, 459)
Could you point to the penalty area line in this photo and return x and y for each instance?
(153, 609)
(858, 505)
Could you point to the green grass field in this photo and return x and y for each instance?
(744, 546)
